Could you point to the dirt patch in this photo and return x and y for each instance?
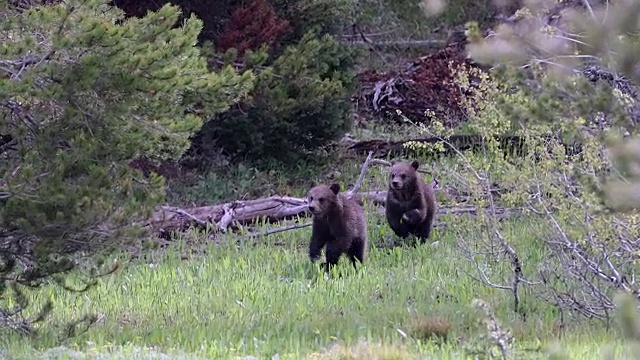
(426, 83)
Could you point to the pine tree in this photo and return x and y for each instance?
(300, 102)
(83, 92)
(289, 104)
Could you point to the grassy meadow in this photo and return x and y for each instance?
(234, 298)
(265, 299)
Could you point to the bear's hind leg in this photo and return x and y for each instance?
(423, 231)
(332, 252)
(356, 251)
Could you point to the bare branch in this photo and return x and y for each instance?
(227, 218)
(517, 269)
(280, 229)
(363, 171)
(191, 217)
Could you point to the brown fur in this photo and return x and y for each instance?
(339, 226)
(411, 205)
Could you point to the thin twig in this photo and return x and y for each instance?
(184, 213)
(280, 229)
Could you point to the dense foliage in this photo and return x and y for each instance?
(304, 82)
(82, 93)
(324, 16)
(301, 98)
(299, 103)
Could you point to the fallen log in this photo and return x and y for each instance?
(272, 209)
(222, 216)
(452, 145)
(275, 208)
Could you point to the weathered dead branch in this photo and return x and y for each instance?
(363, 171)
(231, 215)
(429, 44)
(222, 216)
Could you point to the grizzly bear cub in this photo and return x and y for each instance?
(339, 223)
(411, 204)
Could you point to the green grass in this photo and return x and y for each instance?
(263, 299)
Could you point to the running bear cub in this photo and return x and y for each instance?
(339, 224)
(411, 204)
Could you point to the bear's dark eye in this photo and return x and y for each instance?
(310, 198)
(393, 175)
(403, 176)
(321, 200)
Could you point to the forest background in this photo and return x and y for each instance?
(156, 156)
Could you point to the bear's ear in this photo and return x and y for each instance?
(335, 188)
(415, 164)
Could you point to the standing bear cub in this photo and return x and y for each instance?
(411, 204)
(339, 224)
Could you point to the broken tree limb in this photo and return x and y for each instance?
(431, 44)
(228, 216)
(277, 207)
(280, 229)
(363, 171)
(188, 215)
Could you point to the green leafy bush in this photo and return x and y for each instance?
(554, 186)
(544, 91)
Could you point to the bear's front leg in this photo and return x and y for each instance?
(412, 217)
(318, 240)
